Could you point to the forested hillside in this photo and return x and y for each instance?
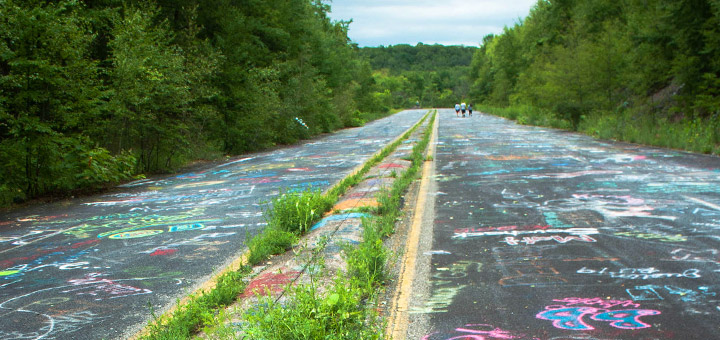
(431, 75)
(642, 71)
(98, 91)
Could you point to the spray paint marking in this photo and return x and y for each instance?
(568, 315)
(572, 231)
(559, 239)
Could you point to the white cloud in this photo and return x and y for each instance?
(449, 22)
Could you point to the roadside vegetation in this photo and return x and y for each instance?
(98, 92)
(637, 71)
(291, 214)
(93, 93)
(337, 313)
(199, 309)
(347, 309)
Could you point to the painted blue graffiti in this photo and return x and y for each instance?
(339, 217)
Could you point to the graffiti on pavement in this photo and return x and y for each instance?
(573, 313)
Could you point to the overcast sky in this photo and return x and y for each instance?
(446, 22)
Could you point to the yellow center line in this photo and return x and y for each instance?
(398, 324)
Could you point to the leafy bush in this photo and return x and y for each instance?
(296, 212)
(289, 215)
(337, 314)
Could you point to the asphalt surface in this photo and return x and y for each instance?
(97, 267)
(544, 234)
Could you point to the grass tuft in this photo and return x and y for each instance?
(296, 212)
(335, 314)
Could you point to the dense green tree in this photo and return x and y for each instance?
(603, 61)
(621, 48)
(49, 92)
(481, 70)
(432, 75)
(149, 101)
(96, 91)
(421, 57)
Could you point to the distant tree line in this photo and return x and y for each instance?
(97, 91)
(638, 70)
(431, 75)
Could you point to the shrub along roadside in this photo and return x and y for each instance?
(691, 134)
(288, 216)
(345, 310)
(695, 135)
(528, 115)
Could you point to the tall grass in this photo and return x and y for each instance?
(693, 134)
(296, 212)
(289, 216)
(528, 115)
(199, 310)
(335, 314)
(630, 125)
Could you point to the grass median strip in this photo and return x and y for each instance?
(345, 310)
(289, 216)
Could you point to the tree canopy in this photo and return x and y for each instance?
(97, 91)
(431, 75)
(599, 64)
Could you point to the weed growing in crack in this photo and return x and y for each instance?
(308, 314)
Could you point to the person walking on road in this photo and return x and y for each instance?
(457, 110)
(463, 107)
(470, 109)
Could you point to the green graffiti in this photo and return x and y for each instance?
(135, 234)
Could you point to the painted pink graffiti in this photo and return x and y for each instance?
(391, 165)
(101, 288)
(161, 252)
(477, 332)
(270, 282)
(602, 303)
(571, 314)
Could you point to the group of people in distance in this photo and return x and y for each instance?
(463, 107)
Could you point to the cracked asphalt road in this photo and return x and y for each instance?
(94, 267)
(543, 234)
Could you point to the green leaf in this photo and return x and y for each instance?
(332, 299)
